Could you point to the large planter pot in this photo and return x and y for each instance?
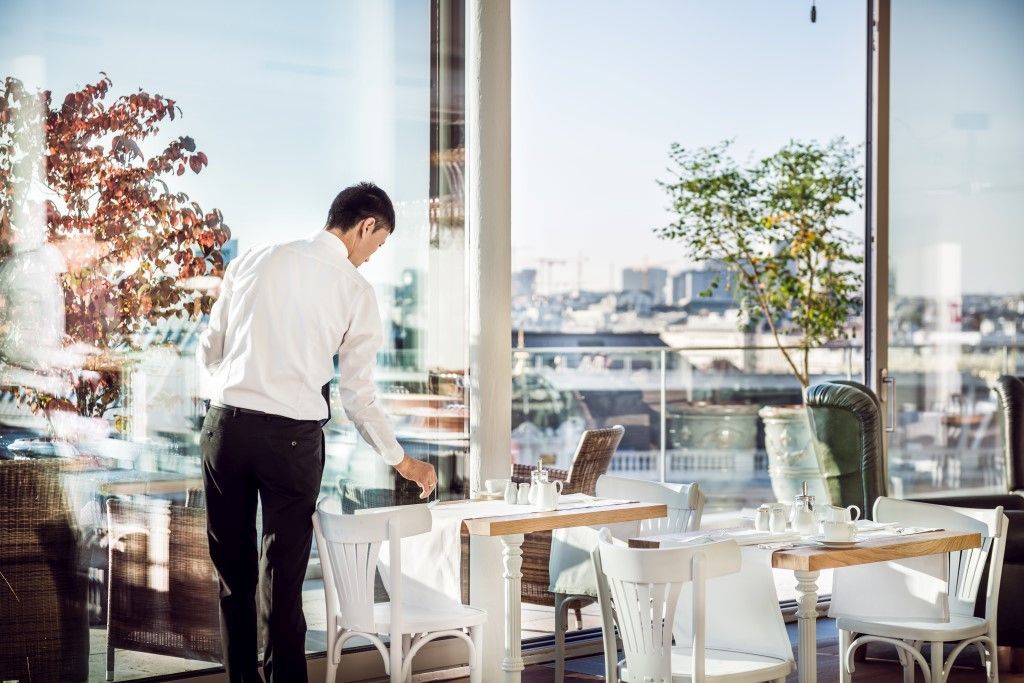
(713, 441)
(792, 459)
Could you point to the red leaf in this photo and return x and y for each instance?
(196, 164)
(181, 169)
(202, 157)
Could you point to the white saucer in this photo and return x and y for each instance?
(821, 540)
(487, 495)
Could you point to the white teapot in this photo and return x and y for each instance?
(545, 494)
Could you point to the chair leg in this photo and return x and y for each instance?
(406, 645)
(937, 661)
(844, 645)
(907, 662)
(396, 661)
(579, 617)
(476, 661)
(561, 617)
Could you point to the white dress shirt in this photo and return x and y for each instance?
(283, 312)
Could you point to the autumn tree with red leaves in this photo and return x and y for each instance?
(83, 164)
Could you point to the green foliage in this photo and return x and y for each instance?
(776, 225)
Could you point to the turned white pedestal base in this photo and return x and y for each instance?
(807, 620)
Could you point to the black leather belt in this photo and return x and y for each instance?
(235, 410)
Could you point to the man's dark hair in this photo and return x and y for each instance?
(359, 202)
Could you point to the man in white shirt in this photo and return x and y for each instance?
(284, 311)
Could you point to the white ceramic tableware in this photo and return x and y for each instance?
(761, 517)
(778, 519)
(511, 493)
(495, 485)
(834, 513)
(524, 494)
(838, 531)
(547, 494)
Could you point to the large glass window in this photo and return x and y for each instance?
(956, 292)
(612, 325)
(270, 112)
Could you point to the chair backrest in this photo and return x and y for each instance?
(593, 455)
(350, 545)
(685, 502)
(966, 567)
(846, 424)
(638, 591)
(1010, 390)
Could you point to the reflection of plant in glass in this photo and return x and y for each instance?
(75, 175)
(776, 226)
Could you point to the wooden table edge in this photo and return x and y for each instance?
(561, 519)
(808, 558)
(879, 550)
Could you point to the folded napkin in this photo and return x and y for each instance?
(742, 537)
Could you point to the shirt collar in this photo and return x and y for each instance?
(332, 243)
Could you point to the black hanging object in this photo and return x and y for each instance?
(814, 13)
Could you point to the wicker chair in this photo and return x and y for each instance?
(44, 625)
(163, 588)
(593, 455)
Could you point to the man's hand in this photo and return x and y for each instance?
(420, 472)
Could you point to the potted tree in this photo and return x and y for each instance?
(777, 226)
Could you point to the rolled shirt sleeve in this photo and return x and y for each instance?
(357, 357)
(211, 343)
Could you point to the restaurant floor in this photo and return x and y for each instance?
(881, 665)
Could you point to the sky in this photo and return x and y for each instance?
(292, 105)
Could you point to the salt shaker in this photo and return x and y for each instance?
(778, 519)
(511, 493)
(761, 517)
(524, 494)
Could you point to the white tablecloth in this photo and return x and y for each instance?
(432, 562)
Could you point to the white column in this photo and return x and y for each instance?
(488, 211)
(807, 617)
(512, 563)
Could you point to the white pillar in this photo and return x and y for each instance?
(488, 211)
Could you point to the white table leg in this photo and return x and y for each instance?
(807, 618)
(512, 562)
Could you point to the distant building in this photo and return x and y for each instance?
(524, 283)
(690, 288)
(639, 300)
(651, 280)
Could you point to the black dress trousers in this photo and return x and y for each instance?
(281, 460)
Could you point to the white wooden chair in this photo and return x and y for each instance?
(349, 547)
(569, 565)
(965, 574)
(639, 590)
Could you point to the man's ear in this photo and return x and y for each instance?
(368, 226)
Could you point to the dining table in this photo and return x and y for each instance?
(806, 559)
(496, 531)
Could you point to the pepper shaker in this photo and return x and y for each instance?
(761, 517)
(524, 494)
(511, 493)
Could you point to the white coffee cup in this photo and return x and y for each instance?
(495, 485)
(838, 531)
(834, 513)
